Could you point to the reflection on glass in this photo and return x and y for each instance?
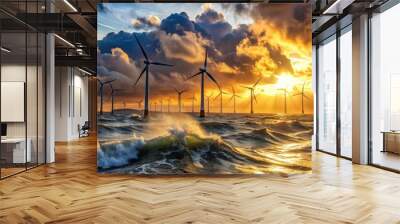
(386, 89)
(31, 86)
(13, 85)
(327, 96)
(346, 94)
(22, 89)
(41, 99)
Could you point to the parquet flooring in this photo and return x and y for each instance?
(70, 191)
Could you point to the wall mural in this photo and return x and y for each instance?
(204, 88)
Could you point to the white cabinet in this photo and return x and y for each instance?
(19, 155)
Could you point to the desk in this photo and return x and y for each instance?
(391, 141)
(16, 147)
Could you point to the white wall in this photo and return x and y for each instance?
(71, 102)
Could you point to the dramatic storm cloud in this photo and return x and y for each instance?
(274, 43)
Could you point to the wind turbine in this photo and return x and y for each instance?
(112, 95)
(161, 105)
(303, 95)
(193, 98)
(252, 96)
(285, 93)
(101, 89)
(139, 104)
(179, 98)
(234, 99)
(221, 93)
(203, 71)
(124, 104)
(169, 101)
(147, 63)
(208, 103)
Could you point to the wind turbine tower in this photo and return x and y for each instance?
(193, 100)
(139, 104)
(208, 103)
(284, 90)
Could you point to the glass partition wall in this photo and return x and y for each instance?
(22, 77)
(327, 95)
(334, 93)
(345, 62)
(385, 89)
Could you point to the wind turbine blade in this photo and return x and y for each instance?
(109, 81)
(233, 90)
(205, 60)
(194, 75)
(141, 48)
(247, 87)
(255, 98)
(305, 96)
(297, 94)
(230, 99)
(161, 64)
(137, 80)
(217, 96)
(255, 84)
(212, 78)
(111, 86)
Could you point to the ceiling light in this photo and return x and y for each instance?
(337, 7)
(5, 50)
(70, 5)
(84, 71)
(64, 40)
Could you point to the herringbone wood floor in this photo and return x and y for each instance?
(70, 191)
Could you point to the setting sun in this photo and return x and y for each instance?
(286, 81)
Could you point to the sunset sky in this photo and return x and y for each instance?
(244, 42)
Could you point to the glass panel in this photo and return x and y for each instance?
(13, 87)
(327, 96)
(346, 94)
(31, 99)
(41, 99)
(385, 89)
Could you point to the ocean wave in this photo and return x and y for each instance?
(185, 152)
(182, 143)
(118, 153)
(214, 126)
